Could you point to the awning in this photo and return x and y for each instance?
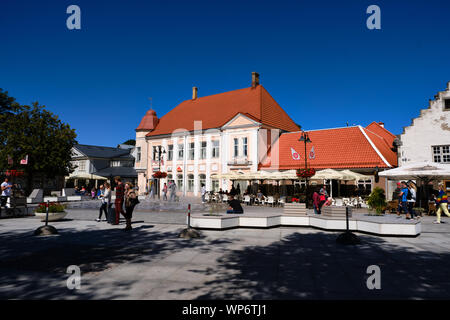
(418, 170)
(84, 175)
(355, 175)
(331, 174)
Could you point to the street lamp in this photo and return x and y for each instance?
(159, 150)
(305, 138)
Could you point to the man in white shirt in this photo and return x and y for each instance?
(6, 187)
(203, 193)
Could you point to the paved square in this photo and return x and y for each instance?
(151, 262)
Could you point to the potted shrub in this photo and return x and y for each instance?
(56, 211)
(377, 201)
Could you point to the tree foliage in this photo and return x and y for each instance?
(130, 142)
(38, 133)
(377, 200)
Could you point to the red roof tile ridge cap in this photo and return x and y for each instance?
(383, 139)
(374, 146)
(355, 126)
(215, 94)
(383, 128)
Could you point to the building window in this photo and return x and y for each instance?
(203, 150)
(138, 154)
(202, 179)
(190, 187)
(169, 177)
(236, 147)
(191, 150)
(446, 104)
(82, 165)
(170, 152)
(244, 147)
(215, 148)
(180, 151)
(441, 154)
(215, 185)
(114, 163)
(180, 182)
(365, 186)
(301, 183)
(155, 152)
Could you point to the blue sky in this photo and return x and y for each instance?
(316, 58)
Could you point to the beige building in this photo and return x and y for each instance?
(206, 136)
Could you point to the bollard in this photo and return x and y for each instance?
(46, 230)
(189, 233)
(189, 216)
(347, 238)
(46, 213)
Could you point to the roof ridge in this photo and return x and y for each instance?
(384, 129)
(374, 146)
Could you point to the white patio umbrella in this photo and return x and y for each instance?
(355, 176)
(424, 171)
(84, 175)
(418, 170)
(330, 174)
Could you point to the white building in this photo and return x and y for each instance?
(428, 136)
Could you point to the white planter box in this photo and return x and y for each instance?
(52, 216)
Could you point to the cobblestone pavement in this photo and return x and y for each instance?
(151, 262)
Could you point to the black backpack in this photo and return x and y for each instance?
(408, 195)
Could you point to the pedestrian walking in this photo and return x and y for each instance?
(6, 188)
(105, 196)
(404, 199)
(131, 200)
(442, 202)
(118, 203)
(316, 202)
(411, 199)
(165, 191)
(204, 193)
(173, 190)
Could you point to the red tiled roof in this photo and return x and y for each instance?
(216, 110)
(337, 148)
(149, 121)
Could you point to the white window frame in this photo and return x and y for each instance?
(203, 146)
(215, 148)
(170, 152)
(245, 146)
(440, 154)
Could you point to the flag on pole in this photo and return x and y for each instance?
(24, 160)
(312, 154)
(295, 154)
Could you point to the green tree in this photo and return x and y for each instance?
(377, 200)
(130, 142)
(8, 105)
(37, 133)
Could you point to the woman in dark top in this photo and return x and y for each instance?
(131, 201)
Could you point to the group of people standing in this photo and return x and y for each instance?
(406, 194)
(320, 199)
(171, 188)
(126, 197)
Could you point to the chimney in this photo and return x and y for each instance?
(255, 79)
(194, 93)
(381, 124)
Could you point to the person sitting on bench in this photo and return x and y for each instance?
(234, 206)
